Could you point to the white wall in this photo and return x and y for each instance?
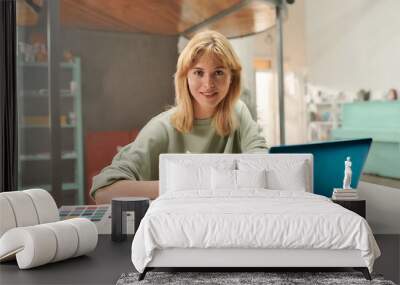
(353, 44)
(294, 63)
(245, 49)
(383, 207)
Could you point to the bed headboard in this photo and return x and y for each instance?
(275, 161)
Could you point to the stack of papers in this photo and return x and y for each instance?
(345, 194)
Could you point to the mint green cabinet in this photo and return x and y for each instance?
(379, 120)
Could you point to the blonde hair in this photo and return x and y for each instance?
(214, 44)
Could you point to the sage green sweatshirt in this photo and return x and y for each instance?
(139, 159)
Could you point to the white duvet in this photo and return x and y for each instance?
(250, 219)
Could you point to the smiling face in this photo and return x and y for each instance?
(209, 81)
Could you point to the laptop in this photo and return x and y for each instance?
(329, 158)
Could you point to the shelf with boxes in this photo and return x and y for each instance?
(34, 129)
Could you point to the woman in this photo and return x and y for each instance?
(207, 118)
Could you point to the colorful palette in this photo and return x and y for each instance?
(91, 212)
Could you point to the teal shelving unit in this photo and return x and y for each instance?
(34, 131)
(379, 120)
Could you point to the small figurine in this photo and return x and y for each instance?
(347, 174)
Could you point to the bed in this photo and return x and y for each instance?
(247, 210)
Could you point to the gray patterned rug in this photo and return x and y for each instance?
(269, 278)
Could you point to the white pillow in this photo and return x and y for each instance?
(293, 178)
(235, 179)
(282, 174)
(191, 174)
(251, 178)
(223, 179)
(183, 178)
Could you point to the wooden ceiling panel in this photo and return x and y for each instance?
(25, 15)
(255, 17)
(85, 14)
(166, 17)
(194, 12)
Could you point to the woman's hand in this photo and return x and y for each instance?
(125, 188)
